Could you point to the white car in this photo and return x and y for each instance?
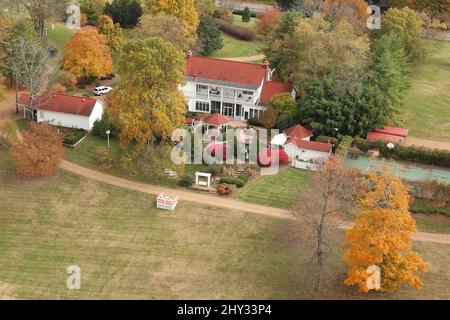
(99, 91)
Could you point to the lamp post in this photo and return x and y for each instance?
(107, 134)
(390, 146)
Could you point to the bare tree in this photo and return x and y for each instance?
(41, 10)
(322, 207)
(29, 65)
(308, 7)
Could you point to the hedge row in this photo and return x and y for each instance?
(234, 31)
(241, 12)
(232, 180)
(426, 208)
(344, 146)
(407, 153)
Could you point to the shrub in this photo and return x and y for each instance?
(265, 157)
(101, 126)
(234, 31)
(186, 181)
(244, 177)
(361, 144)
(253, 122)
(214, 169)
(232, 180)
(105, 156)
(72, 136)
(224, 14)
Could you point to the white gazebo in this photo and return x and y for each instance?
(202, 179)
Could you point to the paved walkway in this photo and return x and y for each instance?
(212, 200)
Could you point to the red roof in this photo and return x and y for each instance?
(310, 145)
(401, 132)
(225, 70)
(298, 131)
(272, 88)
(189, 120)
(58, 102)
(372, 135)
(216, 119)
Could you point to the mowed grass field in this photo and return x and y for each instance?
(427, 107)
(128, 249)
(280, 190)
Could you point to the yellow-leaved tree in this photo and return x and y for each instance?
(147, 105)
(381, 235)
(87, 55)
(182, 9)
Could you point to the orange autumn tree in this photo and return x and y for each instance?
(353, 11)
(40, 152)
(87, 55)
(381, 235)
(267, 20)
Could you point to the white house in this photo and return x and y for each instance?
(65, 110)
(238, 90)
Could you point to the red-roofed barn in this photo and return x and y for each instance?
(65, 110)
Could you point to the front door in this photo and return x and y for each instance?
(246, 115)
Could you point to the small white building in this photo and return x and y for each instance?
(65, 110)
(305, 154)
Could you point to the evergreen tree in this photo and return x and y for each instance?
(392, 68)
(124, 12)
(209, 35)
(246, 16)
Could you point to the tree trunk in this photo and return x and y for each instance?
(17, 95)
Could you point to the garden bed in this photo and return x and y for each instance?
(72, 136)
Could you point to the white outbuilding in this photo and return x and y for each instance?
(65, 110)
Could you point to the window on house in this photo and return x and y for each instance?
(249, 93)
(202, 89)
(202, 106)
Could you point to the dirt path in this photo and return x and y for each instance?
(427, 143)
(212, 200)
(246, 59)
(183, 195)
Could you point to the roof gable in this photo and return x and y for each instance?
(272, 88)
(298, 131)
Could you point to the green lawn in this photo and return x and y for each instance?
(248, 25)
(127, 249)
(427, 108)
(233, 48)
(59, 36)
(85, 155)
(279, 190)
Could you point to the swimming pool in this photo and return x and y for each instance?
(405, 170)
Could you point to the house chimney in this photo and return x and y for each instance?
(268, 73)
(194, 76)
(189, 54)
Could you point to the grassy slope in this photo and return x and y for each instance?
(128, 249)
(233, 48)
(427, 108)
(279, 190)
